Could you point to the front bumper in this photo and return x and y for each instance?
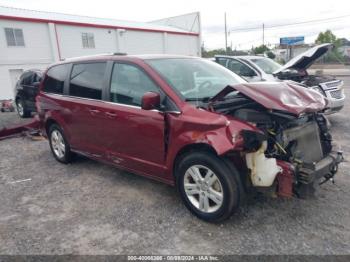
(335, 105)
(325, 168)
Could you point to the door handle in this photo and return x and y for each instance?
(111, 115)
(94, 111)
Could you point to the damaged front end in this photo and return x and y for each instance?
(294, 150)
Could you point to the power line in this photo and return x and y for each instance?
(247, 29)
(256, 40)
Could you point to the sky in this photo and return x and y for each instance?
(240, 14)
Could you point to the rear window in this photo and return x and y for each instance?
(54, 81)
(86, 80)
(37, 77)
(27, 78)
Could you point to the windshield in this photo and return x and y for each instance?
(267, 65)
(194, 78)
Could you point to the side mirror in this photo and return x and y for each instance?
(150, 100)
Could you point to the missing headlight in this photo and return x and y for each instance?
(252, 140)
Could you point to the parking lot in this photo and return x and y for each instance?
(91, 208)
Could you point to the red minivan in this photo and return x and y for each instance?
(191, 123)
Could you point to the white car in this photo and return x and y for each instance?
(259, 68)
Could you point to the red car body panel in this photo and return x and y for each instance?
(147, 142)
(196, 126)
(7, 132)
(282, 96)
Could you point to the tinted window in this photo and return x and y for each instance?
(129, 83)
(27, 78)
(221, 61)
(54, 82)
(37, 77)
(86, 80)
(240, 68)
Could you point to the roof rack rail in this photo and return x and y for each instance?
(94, 55)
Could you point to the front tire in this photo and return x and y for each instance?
(207, 186)
(59, 145)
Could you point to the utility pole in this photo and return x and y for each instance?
(225, 34)
(263, 34)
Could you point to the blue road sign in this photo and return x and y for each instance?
(296, 40)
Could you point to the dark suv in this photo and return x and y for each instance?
(27, 88)
(188, 122)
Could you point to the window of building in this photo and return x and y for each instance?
(88, 40)
(54, 82)
(86, 80)
(14, 37)
(129, 83)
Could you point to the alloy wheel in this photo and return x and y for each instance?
(20, 108)
(58, 144)
(203, 188)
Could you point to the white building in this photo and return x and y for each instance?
(33, 39)
(344, 50)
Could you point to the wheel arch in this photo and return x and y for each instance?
(49, 122)
(228, 161)
(196, 147)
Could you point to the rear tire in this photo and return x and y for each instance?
(215, 194)
(59, 145)
(22, 111)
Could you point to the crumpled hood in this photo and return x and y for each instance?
(306, 59)
(282, 96)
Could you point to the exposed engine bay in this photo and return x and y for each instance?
(301, 76)
(291, 151)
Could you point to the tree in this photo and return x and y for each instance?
(260, 49)
(221, 51)
(328, 37)
(271, 55)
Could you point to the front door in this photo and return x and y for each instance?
(243, 70)
(138, 142)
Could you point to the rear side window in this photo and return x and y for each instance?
(86, 80)
(27, 78)
(54, 81)
(37, 77)
(129, 83)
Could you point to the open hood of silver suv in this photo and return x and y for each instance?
(306, 59)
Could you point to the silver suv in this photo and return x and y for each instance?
(259, 68)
